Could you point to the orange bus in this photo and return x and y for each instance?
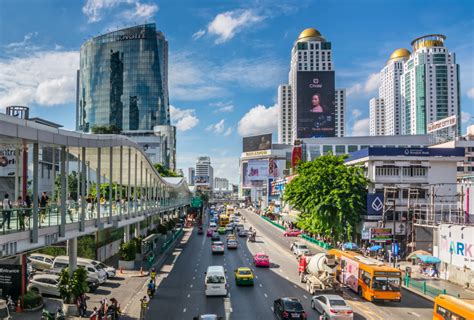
(452, 308)
(369, 278)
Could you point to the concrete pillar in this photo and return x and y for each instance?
(97, 185)
(67, 173)
(72, 253)
(129, 189)
(53, 175)
(17, 173)
(62, 227)
(120, 182)
(142, 195)
(135, 187)
(83, 190)
(34, 232)
(137, 230)
(126, 233)
(111, 172)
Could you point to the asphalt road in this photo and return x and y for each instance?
(180, 292)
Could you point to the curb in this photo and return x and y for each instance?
(418, 293)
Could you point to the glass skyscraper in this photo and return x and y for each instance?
(123, 80)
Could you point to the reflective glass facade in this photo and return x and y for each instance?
(122, 80)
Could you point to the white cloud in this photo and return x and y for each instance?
(466, 117)
(22, 44)
(226, 25)
(199, 34)
(219, 128)
(470, 93)
(370, 85)
(356, 113)
(258, 120)
(46, 78)
(222, 106)
(361, 127)
(94, 9)
(183, 119)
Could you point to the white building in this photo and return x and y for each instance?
(221, 184)
(191, 175)
(429, 85)
(204, 172)
(310, 52)
(285, 114)
(377, 117)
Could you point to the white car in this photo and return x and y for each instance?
(229, 227)
(332, 307)
(217, 247)
(44, 284)
(232, 244)
(299, 248)
(110, 271)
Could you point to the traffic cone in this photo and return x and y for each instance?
(18, 306)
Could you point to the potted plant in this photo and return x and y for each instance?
(72, 287)
(127, 254)
(32, 301)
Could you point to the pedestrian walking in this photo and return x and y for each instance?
(44, 200)
(6, 212)
(20, 212)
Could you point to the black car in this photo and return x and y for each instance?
(215, 236)
(288, 308)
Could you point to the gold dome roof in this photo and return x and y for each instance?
(309, 33)
(400, 53)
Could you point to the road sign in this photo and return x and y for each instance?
(196, 202)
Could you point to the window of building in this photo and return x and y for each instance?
(351, 148)
(340, 150)
(415, 171)
(387, 171)
(327, 149)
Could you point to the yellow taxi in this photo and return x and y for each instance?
(231, 236)
(243, 276)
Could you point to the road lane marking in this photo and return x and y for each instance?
(415, 314)
(295, 286)
(305, 296)
(227, 308)
(266, 296)
(260, 285)
(194, 278)
(184, 310)
(272, 309)
(189, 295)
(191, 286)
(256, 277)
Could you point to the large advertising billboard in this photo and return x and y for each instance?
(201, 180)
(257, 143)
(257, 170)
(315, 104)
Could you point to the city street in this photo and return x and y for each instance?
(180, 293)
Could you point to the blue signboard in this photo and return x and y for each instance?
(395, 248)
(407, 152)
(374, 204)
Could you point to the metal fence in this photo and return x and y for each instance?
(425, 288)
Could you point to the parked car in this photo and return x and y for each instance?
(217, 247)
(288, 308)
(44, 284)
(291, 233)
(299, 248)
(110, 271)
(261, 260)
(41, 261)
(92, 282)
(332, 306)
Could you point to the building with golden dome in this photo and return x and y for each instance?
(311, 62)
(416, 89)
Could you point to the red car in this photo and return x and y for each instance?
(261, 260)
(209, 232)
(291, 233)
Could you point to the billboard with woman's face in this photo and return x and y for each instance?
(315, 110)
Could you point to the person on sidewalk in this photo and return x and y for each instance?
(43, 203)
(19, 205)
(6, 212)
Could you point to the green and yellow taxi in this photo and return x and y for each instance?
(222, 230)
(243, 276)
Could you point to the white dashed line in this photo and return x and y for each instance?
(192, 286)
(189, 295)
(184, 310)
(266, 296)
(194, 278)
(305, 296)
(256, 277)
(260, 285)
(295, 286)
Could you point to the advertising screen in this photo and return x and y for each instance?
(257, 170)
(257, 143)
(315, 104)
(201, 180)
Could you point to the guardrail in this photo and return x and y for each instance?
(425, 288)
(274, 223)
(168, 242)
(316, 242)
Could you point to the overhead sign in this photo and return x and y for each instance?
(196, 202)
(442, 124)
(380, 234)
(374, 204)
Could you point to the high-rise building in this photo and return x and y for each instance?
(204, 173)
(429, 86)
(191, 175)
(285, 114)
(221, 184)
(377, 117)
(123, 85)
(310, 106)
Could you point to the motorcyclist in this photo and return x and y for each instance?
(151, 288)
(114, 309)
(153, 275)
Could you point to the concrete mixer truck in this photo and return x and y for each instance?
(319, 273)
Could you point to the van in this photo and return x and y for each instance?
(215, 281)
(96, 264)
(61, 262)
(41, 261)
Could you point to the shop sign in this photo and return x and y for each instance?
(380, 234)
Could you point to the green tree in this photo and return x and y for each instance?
(165, 172)
(72, 287)
(330, 196)
(72, 183)
(105, 129)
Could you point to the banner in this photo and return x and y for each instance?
(201, 180)
(374, 204)
(380, 234)
(315, 109)
(257, 143)
(257, 170)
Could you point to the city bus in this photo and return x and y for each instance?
(452, 308)
(369, 278)
(223, 219)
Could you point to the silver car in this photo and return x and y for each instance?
(332, 307)
(44, 284)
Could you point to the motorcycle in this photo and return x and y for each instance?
(48, 315)
(151, 292)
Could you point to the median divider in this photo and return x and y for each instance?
(274, 223)
(421, 287)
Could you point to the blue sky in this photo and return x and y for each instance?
(226, 58)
